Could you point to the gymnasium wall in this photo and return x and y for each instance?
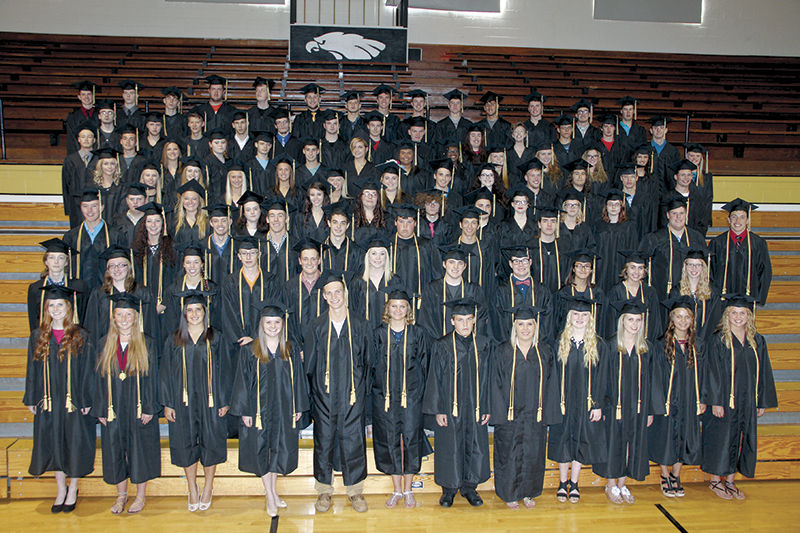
(736, 27)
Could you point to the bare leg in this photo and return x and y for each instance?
(576, 471)
(72, 493)
(676, 469)
(208, 488)
(272, 499)
(138, 503)
(191, 480)
(61, 483)
(563, 469)
(122, 498)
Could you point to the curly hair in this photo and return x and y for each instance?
(725, 327)
(670, 342)
(378, 220)
(703, 291)
(165, 251)
(498, 188)
(70, 344)
(623, 213)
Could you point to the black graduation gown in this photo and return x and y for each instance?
(283, 391)
(306, 227)
(220, 264)
(367, 302)
(461, 449)
(663, 162)
(87, 265)
(729, 443)
(293, 147)
(398, 436)
(131, 450)
(602, 324)
(198, 433)
(669, 253)
(634, 137)
(261, 177)
(333, 154)
(653, 322)
(283, 263)
(174, 126)
(158, 276)
(512, 235)
(304, 306)
(627, 435)
(62, 441)
(349, 257)
(642, 210)
(98, 314)
(482, 264)
(339, 439)
(707, 314)
(414, 262)
(613, 157)
(380, 151)
(354, 177)
(515, 160)
(566, 153)
(731, 265)
(221, 119)
(36, 299)
(170, 319)
(242, 153)
(130, 115)
(73, 180)
(542, 132)
(698, 209)
(349, 129)
(439, 234)
(187, 233)
(572, 436)
(435, 317)
(507, 294)
(446, 130)
(308, 124)
(610, 239)
(76, 117)
(197, 147)
(579, 237)
(674, 437)
(497, 134)
(239, 317)
(520, 443)
(553, 269)
(123, 229)
(261, 119)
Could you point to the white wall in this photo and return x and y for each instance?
(748, 27)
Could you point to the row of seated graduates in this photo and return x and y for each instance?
(414, 141)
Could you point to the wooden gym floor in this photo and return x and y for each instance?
(770, 506)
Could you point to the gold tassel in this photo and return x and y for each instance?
(110, 415)
(619, 389)
(259, 424)
(185, 389)
(69, 405)
(138, 397)
(210, 375)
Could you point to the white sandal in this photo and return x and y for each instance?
(393, 499)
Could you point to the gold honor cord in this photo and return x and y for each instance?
(210, 376)
(669, 387)
(261, 292)
(69, 405)
(669, 239)
(589, 401)
(159, 295)
(47, 399)
(138, 397)
(388, 366)
(78, 247)
(480, 264)
(259, 424)
(328, 359)
(727, 258)
(444, 301)
(697, 383)
(291, 382)
(419, 270)
(619, 388)
(110, 415)
(185, 395)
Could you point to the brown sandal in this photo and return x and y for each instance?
(719, 489)
(119, 503)
(136, 506)
(734, 491)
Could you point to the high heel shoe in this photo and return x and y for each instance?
(204, 506)
(57, 508)
(193, 506)
(271, 511)
(282, 504)
(69, 507)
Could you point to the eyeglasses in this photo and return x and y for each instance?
(519, 202)
(520, 260)
(118, 266)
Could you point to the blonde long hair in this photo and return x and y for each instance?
(750, 327)
(201, 219)
(97, 175)
(513, 336)
(590, 354)
(138, 360)
(387, 268)
(703, 288)
(260, 349)
(641, 340)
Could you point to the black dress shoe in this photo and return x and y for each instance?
(447, 499)
(69, 507)
(57, 508)
(472, 497)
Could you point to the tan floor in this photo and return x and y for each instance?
(771, 505)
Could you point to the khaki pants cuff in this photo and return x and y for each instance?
(355, 490)
(323, 488)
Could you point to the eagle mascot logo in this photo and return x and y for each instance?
(350, 46)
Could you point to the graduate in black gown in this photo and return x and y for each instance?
(613, 232)
(680, 369)
(303, 293)
(630, 409)
(580, 282)
(482, 259)
(580, 377)
(196, 375)
(126, 403)
(270, 394)
(414, 260)
(190, 277)
(398, 367)
(707, 308)
(548, 252)
(278, 256)
(89, 240)
(336, 364)
(220, 259)
(460, 401)
(632, 285)
(73, 171)
(57, 258)
(154, 258)
(739, 258)
(520, 386)
(341, 252)
(189, 220)
(367, 292)
(58, 392)
(741, 387)
(519, 229)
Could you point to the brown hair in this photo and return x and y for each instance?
(70, 344)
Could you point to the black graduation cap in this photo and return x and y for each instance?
(331, 276)
(191, 249)
(633, 306)
(451, 142)
(174, 91)
(418, 122)
(674, 201)
(404, 210)
(468, 211)
(369, 185)
(130, 84)
(580, 104)
(583, 255)
(696, 253)
(683, 164)
(275, 203)
(238, 115)
(57, 246)
(442, 163)
(329, 114)
(335, 172)
(271, 308)
(615, 194)
(625, 169)
(192, 161)
(84, 126)
(104, 104)
(547, 211)
(84, 85)
(738, 204)
(153, 116)
(389, 167)
(373, 116)
(105, 153)
(310, 141)
(645, 148)
(383, 89)
(496, 148)
(216, 134)
(192, 296)
(490, 95)
(695, 148)
(217, 210)
(285, 158)
(58, 292)
(474, 128)
(376, 241)
(481, 193)
(126, 300)
(535, 95)
(351, 95)
(265, 136)
(462, 306)
(136, 189)
(660, 120)
(517, 250)
(308, 244)
(577, 164)
(281, 112)
(635, 256)
(542, 146)
(398, 293)
(114, 251)
(234, 164)
(246, 242)
(263, 81)
(215, 80)
(608, 118)
(563, 120)
(151, 208)
(571, 194)
(684, 301)
(525, 312)
(416, 93)
(579, 303)
(194, 186)
(405, 144)
(337, 208)
(319, 184)
(249, 196)
(533, 164)
(90, 194)
(455, 94)
(455, 251)
(520, 190)
(312, 88)
(738, 300)
(626, 100)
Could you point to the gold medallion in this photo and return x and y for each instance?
(122, 376)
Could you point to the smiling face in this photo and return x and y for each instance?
(358, 149)
(683, 178)
(377, 258)
(572, 207)
(469, 227)
(486, 178)
(57, 309)
(118, 269)
(309, 261)
(333, 292)
(312, 100)
(383, 100)
(195, 125)
(283, 171)
(737, 317)
(311, 151)
(249, 257)
(195, 314)
(418, 104)
(694, 268)
(153, 224)
(677, 218)
(535, 108)
(91, 211)
(454, 268)
(190, 201)
(520, 266)
(545, 156)
(519, 133)
(236, 179)
(55, 262)
(271, 326)
(220, 225)
(316, 197)
(631, 323)
(193, 266)
(525, 329)
(108, 167)
(390, 181)
(490, 108)
(696, 158)
(277, 220)
(737, 221)
(85, 98)
(635, 271)
(339, 224)
(398, 309)
(579, 319)
(682, 318)
(582, 270)
(124, 319)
